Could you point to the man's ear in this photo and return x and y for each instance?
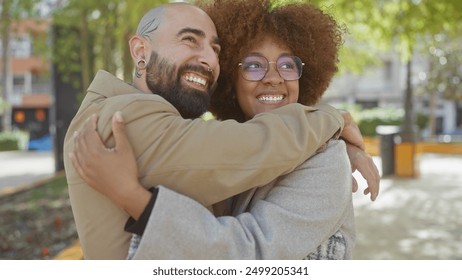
(139, 49)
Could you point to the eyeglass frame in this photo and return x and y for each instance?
(295, 58)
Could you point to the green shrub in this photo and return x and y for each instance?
(369, 119)
(422, 120)
(12, 141)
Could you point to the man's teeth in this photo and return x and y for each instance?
(196, 80)
(271, 98)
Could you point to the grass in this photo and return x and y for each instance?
(57, 187)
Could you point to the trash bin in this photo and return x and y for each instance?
(387, 134)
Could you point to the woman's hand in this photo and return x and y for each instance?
(359, 159)
(363, 162)
(111, 171)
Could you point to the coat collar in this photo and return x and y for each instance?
(108, 85)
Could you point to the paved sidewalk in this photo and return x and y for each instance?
(23, 169)
(414, 219)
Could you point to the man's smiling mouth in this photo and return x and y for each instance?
(197, 80)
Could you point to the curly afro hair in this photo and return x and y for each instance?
(311, 34)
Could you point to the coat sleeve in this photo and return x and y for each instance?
(210, 160)
(301, 211)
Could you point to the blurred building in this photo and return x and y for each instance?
(28, 84)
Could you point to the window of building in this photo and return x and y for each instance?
(21, 46)
(19, 84)
(19, 80)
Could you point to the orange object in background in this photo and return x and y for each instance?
(40, 115)
(19, 116)
(407, 160)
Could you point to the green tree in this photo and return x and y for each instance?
(406, 25)
(101, 30)
(375, 26)
(402, 26)
(444, 76)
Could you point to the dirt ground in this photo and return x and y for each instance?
(36, 224)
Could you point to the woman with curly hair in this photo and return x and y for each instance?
(310, 34)
(271, 56)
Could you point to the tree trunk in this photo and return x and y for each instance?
(408, 133)
(108, 62)
(127, 62)
(5, 22)
(432, 115)
(432, 106)
(85, 49)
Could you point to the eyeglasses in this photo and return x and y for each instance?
(255, 67)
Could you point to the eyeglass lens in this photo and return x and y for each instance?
(254, 68)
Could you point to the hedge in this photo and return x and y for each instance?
(369, 119)
(12, 141)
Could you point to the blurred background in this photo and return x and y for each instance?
(400, 74)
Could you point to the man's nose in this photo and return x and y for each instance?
(209, 58)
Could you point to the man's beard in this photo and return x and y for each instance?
(163, 79)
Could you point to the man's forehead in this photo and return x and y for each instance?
(183, 17)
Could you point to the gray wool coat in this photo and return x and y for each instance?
(304, 212)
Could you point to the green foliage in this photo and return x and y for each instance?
(369, 119)
(19, 8)
(422, 120)
(98, 31)
(97, 37)
(444, 76)
(398, 26)
(14, 140)
(378, 26)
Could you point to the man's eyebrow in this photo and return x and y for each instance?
(216, 40)
(197, 32)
